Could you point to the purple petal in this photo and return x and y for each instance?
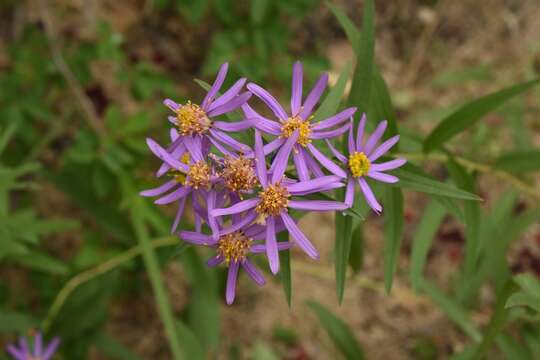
(38, 344)
(233, 126)
(331, 133)
(222, 73)
(296, 91)
(300, 163)
(222, 148)
(360, 132)
(179, 213)
(176, 149)
(383, 148)
(228, 95)
(175, 195)
(336, 153)
(253, 272)
(23, 345)
(350, 142)
(375, 137)
(297, 234)
(163, 155)
(282, 158)
(211, 203)
(389, 165)
(312, 184)
(231, 282)
(261, 248)
(16, 353)
(349, 193)
(370, 197)
(314, 96)
(173, 134)
(313, 165)
(196, 238)
(327, 163)
(51, 348)
(159, 190)
(271, 245)
(334, 120)
(236, 208)
(229, 141)
(273, 145)
(382, 177)
(260, 161)
(231, 105)
(324, 188)
(317, 205)
(171, 104)
(194, 146)
(269, 100)
(265, 125)
(246, 220)
(215, 261)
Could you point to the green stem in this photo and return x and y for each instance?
(96, 271)
(152, 268)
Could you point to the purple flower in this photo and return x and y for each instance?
(22, 352)
(271, 204)
(360, 162)
(198, 120)
(233, 246)
(300, 120)
(191, 175)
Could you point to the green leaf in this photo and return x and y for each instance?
(528, 283)
(451, 309)
(190, 344)
(343, 228)
(356, 256)
(519, 161)
(352, 32)
(113, 349)
(393, 233)
(468, 114)
(285, 268)
(258, 10)
(360, 94)
(381, 107)
(423, 238)
(42, 262)
(524, 299)
(331, 102)
(6, 136)
(412, 179)
(338, 331)
(511, 348)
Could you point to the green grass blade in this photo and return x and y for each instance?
(393, 233)
(468, 114)
(423, 238)
(338, 331)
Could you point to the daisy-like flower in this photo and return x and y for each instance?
(233, 247)
(198, 119)
(360, 162)
(191, 175)
(300, 120)
(23, 352)
(271, 204)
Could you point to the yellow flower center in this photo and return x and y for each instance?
(238, 174)
(199, 175)
(289, 126)
(178, 176)
(192, 119)
(273, 200)
(234, 246)
(359, 164)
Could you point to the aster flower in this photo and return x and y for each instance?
(271, 204)
(191, 176)
(23, 352)
(300, 120)
(360, 162)
(199, 119)
(233, 247)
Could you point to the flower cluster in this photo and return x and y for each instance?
(241, 194)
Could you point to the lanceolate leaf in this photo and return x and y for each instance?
(338, 331)
(352, 32)
(285, 268)
(356, 256)
(343, 226)
(360, 94)
(423, 238)
(393, 232)
(331, 102)
(470, 113)
(519, 161)
(381, 106)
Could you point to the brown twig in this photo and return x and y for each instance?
(84, 102)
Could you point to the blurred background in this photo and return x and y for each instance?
(81, 86)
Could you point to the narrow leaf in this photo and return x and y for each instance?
(468, 114)
(285, 269)
(356, 256)
(343, 226)
(523, 299)
(338, 331)
(528, 283)
(393, 232)
(519, 161)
